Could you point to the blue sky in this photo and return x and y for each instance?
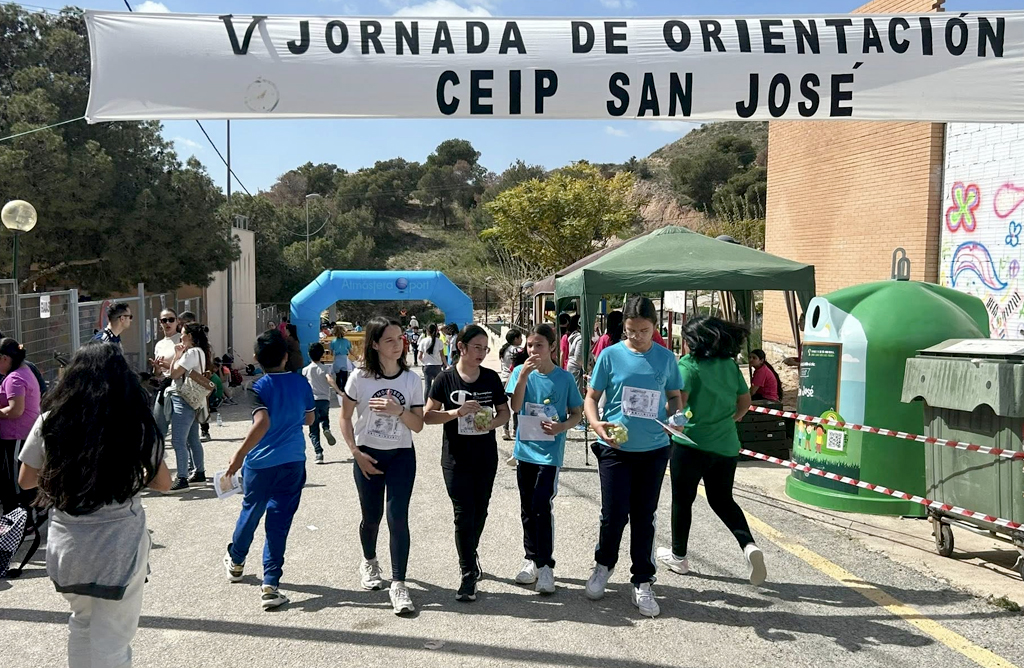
(262, 150)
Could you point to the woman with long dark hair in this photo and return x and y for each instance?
(91, 453)
(191, 355)
(718, 398)
(388, 400)
(765, 384)
(19, 408)
(469, 400)
(612, 334)
(642, 384)
(431, 357)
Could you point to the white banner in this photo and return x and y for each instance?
(931, 67)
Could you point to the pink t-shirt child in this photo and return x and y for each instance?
(19, 383)
(764, 379)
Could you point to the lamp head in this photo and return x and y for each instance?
(18, 216)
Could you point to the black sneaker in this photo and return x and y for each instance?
(179, 485)
(467, 590)
(197, 477)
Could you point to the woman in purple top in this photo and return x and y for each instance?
(19, 408)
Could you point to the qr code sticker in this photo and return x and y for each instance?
(836, 440)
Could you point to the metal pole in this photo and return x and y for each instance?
(486, 296)
(229, 345)
(307, 228)
(16, 235)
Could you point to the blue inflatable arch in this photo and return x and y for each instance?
(332, 286)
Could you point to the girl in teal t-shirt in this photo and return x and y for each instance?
(718, 397)
(548, 402)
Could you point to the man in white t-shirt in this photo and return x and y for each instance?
(321, 381)
(163, 356)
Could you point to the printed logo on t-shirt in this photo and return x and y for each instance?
(382, 425)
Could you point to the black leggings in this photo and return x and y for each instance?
(399, 473)
(689, 466)
(469, 477)
(538, 486)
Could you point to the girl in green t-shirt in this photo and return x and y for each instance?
(718, 397)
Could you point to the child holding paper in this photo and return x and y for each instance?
(548, 403)
(273, 462)
(718, 397)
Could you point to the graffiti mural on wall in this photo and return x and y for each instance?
(981, 250)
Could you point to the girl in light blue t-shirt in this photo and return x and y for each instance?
(548, 403)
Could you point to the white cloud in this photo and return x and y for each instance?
(151, 7)
(187, 143)
(443, 8)
(615, 132)
(675, 127)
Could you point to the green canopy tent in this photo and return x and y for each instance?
(675, 258)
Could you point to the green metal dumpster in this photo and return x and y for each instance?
(973, 392)
(856, 345)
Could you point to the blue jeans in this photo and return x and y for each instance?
(276, 491)
(185, 436)
(321, 408)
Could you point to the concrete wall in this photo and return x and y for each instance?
(981, 219)
(843, 195)
(244, 299)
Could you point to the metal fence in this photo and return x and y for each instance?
(48, 327)
(53, 325)
(267, 317)
(8, 307)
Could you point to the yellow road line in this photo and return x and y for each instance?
(912, 616)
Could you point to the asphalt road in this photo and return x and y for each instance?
(827, 600)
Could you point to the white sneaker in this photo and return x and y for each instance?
(400, 600)
(643, 598)
(272, 598)
(597, 582)
(672, 562)
(528, 573)
(511, 462)
(545, 580)
(370, 574)
(755, 560)
(234, 571)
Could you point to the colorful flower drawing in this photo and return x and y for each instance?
(1014, 268)
(1013, 234)
(966, 200)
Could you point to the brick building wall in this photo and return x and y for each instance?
(843, 195)
(982, 218)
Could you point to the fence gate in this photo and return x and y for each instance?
(48, 325)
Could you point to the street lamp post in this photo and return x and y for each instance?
(309, 197)
(19, 217)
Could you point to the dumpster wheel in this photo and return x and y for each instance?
(943, 538)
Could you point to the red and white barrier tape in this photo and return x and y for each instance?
(935, 505)
(998, 452)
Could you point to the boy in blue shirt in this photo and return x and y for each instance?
(548, 403)
(273, 462)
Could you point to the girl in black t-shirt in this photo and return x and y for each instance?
(470, 402)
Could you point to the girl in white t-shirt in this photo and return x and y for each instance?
(388, 400)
